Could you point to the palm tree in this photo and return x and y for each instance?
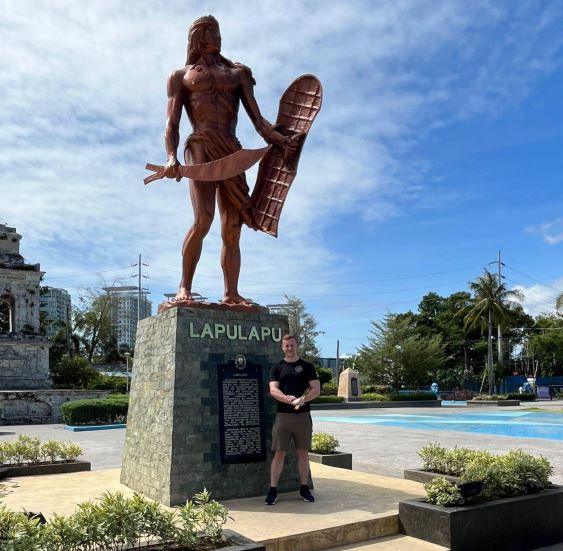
(559, 302)
(493, 305)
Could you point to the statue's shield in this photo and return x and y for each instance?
(299, 106)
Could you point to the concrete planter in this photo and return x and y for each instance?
(499, 403)
(511, 524)
(342, 460)
(10, 471)
(418, 475)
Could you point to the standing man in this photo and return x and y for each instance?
(210, 89)
(293, 383)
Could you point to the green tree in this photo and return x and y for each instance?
(304, 326)
(93, 324)
(397, 355)
(324, 375)
(492, 304)
(73, 372)
(545, 345)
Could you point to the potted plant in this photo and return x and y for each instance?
(489, 502)
(323, 451)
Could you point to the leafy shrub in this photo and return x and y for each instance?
(116, 385)
(28, 450)
(324, 443)
(511, 474)
(443, 492)
(328, 400)
(374, 397)
(329, 389)
(491, 397)
(73, 372)
(324, 375)
(376, 389)
(412, 396)
(117, 522)
(112, 409)
(437, 459)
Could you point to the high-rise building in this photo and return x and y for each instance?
(125, 310)
(54, 305)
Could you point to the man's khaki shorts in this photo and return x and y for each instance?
(298, 426)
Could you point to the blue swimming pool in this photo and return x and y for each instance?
(520, 424)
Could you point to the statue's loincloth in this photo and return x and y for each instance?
(217, 146)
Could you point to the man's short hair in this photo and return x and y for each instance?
(289, 336)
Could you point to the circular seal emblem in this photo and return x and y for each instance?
(298, 369)
(240, 361)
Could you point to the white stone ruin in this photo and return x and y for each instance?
(24, 353)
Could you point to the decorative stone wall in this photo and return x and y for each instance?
(24, 362)
(39, 406)
(172, 445)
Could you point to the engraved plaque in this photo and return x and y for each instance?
(241, 412)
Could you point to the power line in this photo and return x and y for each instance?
(88, 273)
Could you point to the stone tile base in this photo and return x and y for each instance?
(172, 444)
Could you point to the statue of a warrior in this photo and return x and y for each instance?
(210, 88)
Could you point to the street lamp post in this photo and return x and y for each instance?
(127, 356)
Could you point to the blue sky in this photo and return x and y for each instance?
(439, 143)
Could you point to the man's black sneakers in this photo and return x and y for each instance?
(306, 494)
(272, 497)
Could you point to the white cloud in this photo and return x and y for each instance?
(551, 232)
(540, 298)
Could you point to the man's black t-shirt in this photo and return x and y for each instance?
(293, 378)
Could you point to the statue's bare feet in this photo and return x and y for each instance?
(235, 298)
(184, 295)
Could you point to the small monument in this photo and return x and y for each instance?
(349, 385)
(24, 353)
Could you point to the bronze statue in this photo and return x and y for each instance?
(210, 88)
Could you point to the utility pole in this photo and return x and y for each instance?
(337, 361)
(68, 331)
(499, 328)
(139, 292)
(139, 264)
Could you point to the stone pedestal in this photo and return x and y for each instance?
(349, 385)
(175, 439)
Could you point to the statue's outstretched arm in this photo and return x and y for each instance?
(267, 130)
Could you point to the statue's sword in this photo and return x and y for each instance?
(214, 171)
